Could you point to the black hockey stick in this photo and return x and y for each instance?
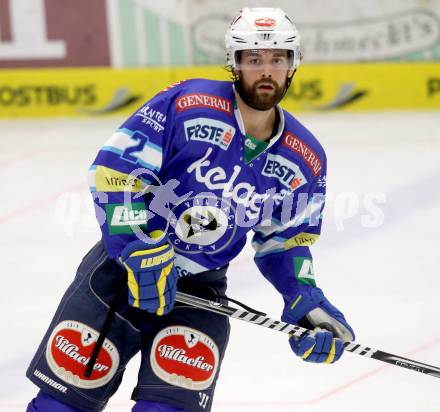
(105, 327)
(298, 331)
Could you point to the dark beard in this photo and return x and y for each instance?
(259, 102)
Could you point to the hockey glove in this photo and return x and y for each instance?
(152, 277)
(311, 309)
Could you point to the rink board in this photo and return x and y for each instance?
(323, 87)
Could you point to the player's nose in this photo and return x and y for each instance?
(266, 73)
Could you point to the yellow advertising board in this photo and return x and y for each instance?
(323, 87)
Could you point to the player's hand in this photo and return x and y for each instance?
(309, 308)
(152, 277)
(320, 346)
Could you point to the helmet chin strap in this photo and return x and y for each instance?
(288, 82)
(242, 94)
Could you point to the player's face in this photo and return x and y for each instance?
(263, 75)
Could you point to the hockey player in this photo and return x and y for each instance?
(176, 190)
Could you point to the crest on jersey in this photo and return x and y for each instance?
(200, 221)
(203, 224)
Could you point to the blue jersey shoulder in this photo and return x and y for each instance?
(295, 126)
(202, 95)
(198, 86)
(214, 87)
(303, 145)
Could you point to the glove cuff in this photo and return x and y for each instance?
(306, 299)
(311, 305)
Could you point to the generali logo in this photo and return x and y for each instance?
(265, 22)
(69, 349)
(199, 100)
(184, 357)
(295, 144)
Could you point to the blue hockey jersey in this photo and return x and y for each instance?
(178, 165)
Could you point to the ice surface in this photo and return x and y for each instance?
(385, 278)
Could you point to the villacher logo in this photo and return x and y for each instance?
(184, 357)
(69, 349)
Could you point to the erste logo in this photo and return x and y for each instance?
(288, 173)
(210, 131)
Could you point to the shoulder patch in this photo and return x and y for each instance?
(152, 117)
(301, 148)
(106, 179)
(197, 100)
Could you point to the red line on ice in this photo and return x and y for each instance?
(39, 204)
(19, 158)
(334, 390)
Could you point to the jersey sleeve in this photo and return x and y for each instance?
(282, 243)
(127, 163)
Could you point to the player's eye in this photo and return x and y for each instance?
(278, 61)
(254, 61)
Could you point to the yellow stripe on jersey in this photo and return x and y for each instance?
(110, 180)
(301, 239)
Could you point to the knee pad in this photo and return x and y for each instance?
(152, 406)
(45, 403)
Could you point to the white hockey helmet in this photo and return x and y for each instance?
(262, 28)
